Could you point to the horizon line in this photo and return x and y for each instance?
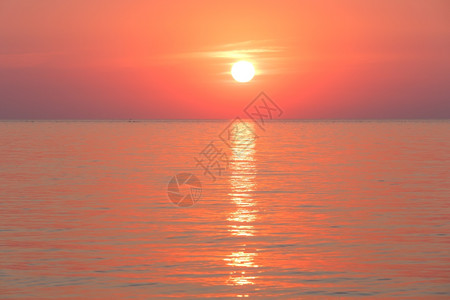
(223, 119)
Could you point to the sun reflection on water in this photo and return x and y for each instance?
(242, 182)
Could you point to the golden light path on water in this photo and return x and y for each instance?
(242, 182)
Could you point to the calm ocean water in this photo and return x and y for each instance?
(308, 210)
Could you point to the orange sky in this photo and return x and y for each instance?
(102, 59)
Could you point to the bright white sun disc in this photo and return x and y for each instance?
(242, 71)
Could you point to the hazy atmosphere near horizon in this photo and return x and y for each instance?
(224, 149)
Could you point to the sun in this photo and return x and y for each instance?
(243, 71)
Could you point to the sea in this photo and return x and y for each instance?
(225, 209)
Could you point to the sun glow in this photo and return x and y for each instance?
(243, 71)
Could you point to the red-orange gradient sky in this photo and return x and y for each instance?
(108, 59)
